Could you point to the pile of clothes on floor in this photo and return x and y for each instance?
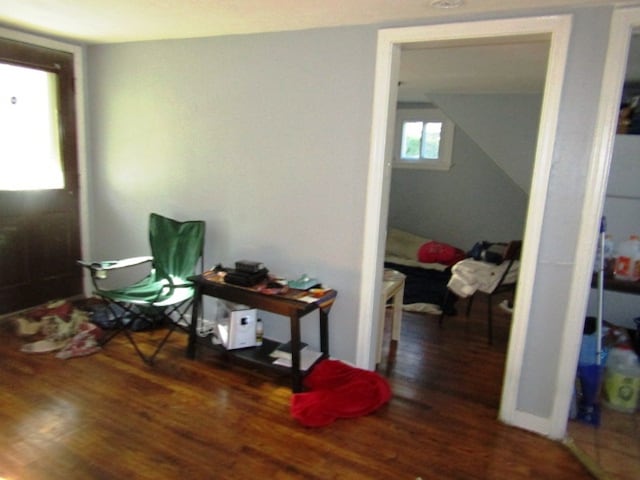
(338, 390)
(59, 327)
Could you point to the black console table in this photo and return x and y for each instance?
(293, 304)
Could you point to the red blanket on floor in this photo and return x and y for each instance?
(338, 390)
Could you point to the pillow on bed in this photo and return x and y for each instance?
(437, 252)
(403, 244)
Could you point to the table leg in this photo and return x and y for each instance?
(381, 322)
(193, 326)
(397, 314)
(324, 331)
(296, 375)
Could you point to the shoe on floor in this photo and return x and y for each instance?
(43, 346)
(507, 306)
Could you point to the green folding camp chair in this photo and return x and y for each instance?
(165, 295)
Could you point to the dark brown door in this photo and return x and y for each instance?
(39, 227)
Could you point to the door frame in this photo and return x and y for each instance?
(623, 22)
(558, 27)
(78, 53)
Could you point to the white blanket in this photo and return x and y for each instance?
(469, 276)
(402, 248)
(415, 263)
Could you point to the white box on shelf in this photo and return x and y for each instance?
(237, 328)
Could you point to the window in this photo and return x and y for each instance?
(424, 139)
(38, 147)
(30, 155)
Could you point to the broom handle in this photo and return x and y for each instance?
(603, 229)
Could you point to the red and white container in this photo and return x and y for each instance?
(628, 259)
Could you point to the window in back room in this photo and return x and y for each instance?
(424, 139)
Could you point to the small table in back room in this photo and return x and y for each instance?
(392, 288)
(293, 304)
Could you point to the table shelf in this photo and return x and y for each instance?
(294, 304)
(614, 285)
(259, 356)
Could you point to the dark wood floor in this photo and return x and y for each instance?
(109, 416)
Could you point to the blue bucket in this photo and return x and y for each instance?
(588, 398)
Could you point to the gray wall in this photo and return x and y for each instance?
(504, 125)
(266, 137)
(476, 199)
(560, 229)
(263, 136)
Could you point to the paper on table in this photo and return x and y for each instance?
(284, 350)
(308, 299)
(307, 358)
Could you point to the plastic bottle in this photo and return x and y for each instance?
(259, 332)
(609, 256)
(622, 380)
(628, 259)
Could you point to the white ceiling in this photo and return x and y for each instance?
(514, 65)
(112, 21)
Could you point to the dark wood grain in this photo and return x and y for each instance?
(109, 416)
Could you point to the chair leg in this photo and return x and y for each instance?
(468, 311)
(150, 359)
(443, 308)
(470, 304)
(152, 316)
(490, 320)
(144, 358)
(108, 337)
(171, 328)
(118, 318)
(127, 331)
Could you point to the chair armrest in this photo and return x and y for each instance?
(99, 269)
(115, 264)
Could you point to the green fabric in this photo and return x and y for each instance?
(176, 248)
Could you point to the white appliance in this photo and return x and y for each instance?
(237, 327)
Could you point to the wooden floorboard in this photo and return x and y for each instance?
(109, 416)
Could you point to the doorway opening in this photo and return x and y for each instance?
(611, 195)
(40, 237)
(390, 44)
